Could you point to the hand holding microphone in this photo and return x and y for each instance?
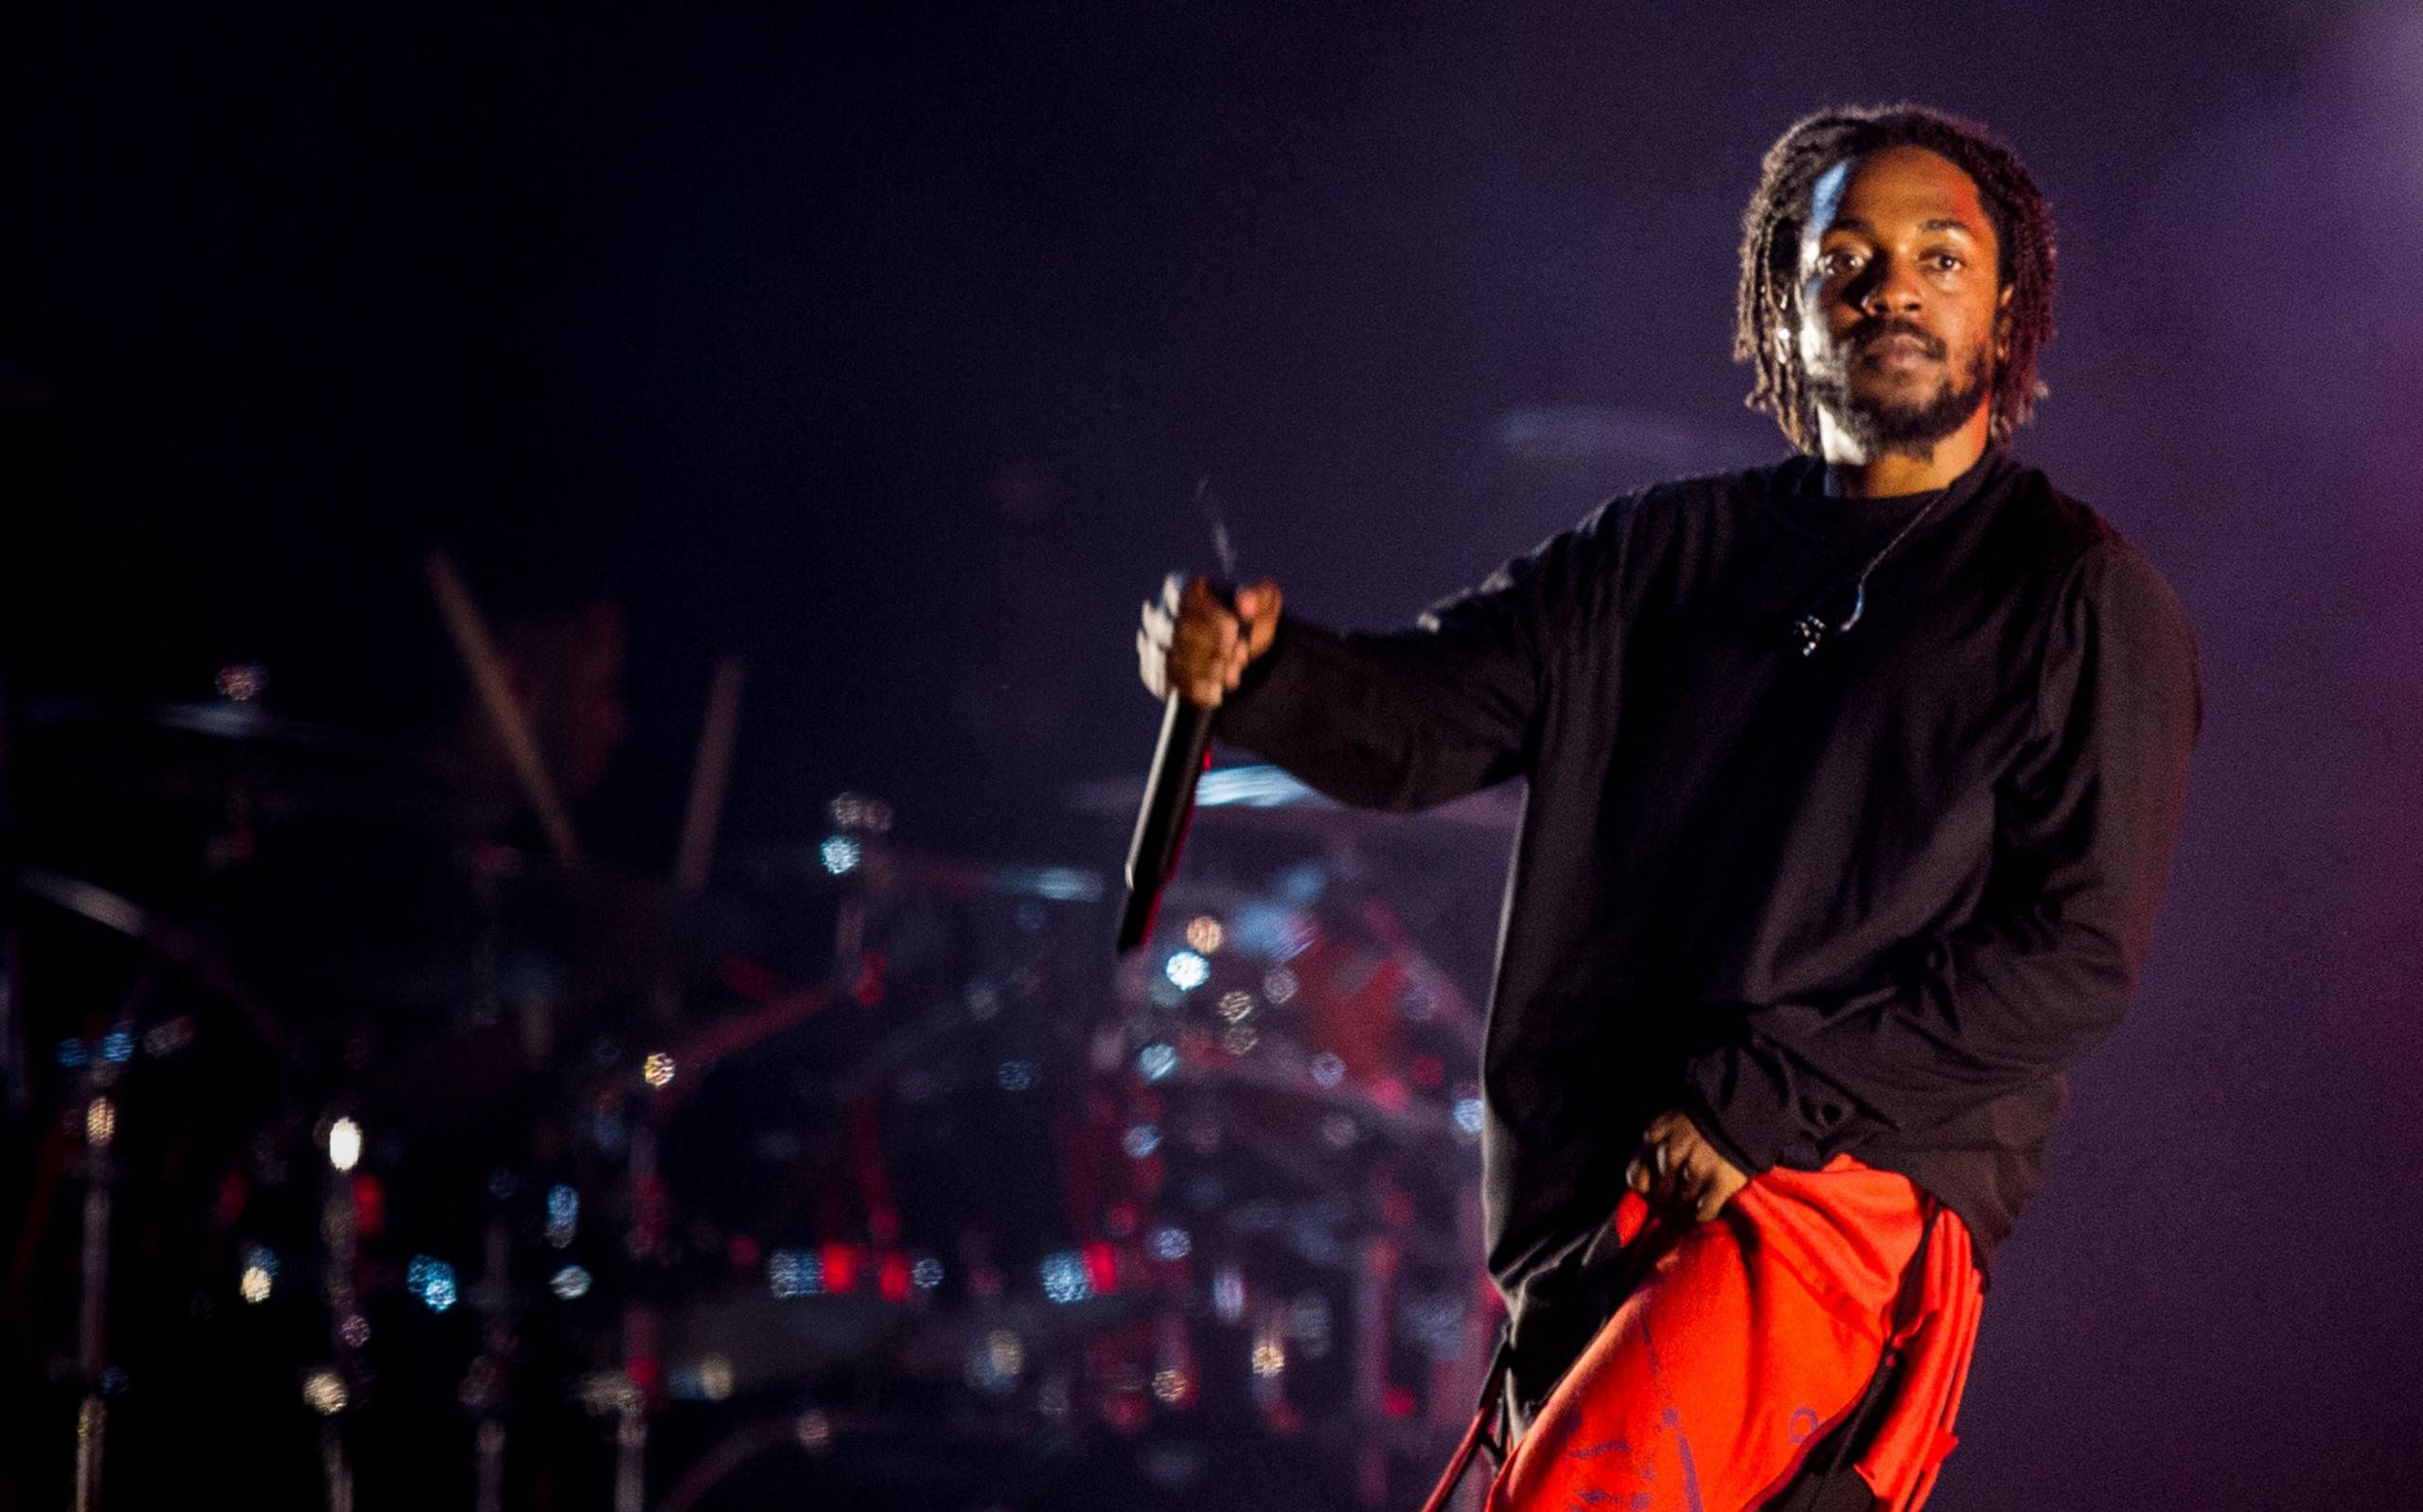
(1195, 644)
(1193, 647)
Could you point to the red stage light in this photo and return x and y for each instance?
(841, 1263)
(369, 1206)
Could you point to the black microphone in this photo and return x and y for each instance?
(1178, 761)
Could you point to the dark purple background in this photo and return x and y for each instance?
(885, 348)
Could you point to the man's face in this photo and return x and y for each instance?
(1899, 295)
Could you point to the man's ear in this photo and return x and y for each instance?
(2002, 322)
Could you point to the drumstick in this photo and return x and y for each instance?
(504, 712)
(709, 775)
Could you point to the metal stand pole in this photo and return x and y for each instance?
(484, 1394)
(639, 1322)
(331, 1391)
(334, 1471)
(92, 1312)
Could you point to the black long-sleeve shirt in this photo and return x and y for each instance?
(1875, 900)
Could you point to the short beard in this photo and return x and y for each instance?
(1908, 430)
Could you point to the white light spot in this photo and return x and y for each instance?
(1468, 1114)
(1064, 1278)
(1171, 1244)
(1142, 1140)
(1171, 1387)
(1327, 1069)
(1228, 1295)
(1187, 971)
(570, 1284)
(841, 854)
(345, 1144)
(324, 1393)
(1155, 1061)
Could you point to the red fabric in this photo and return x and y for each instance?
(1750, 1337)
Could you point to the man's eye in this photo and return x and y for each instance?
(1839, 262)
(1947, 261)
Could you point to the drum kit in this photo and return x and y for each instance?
(382, 1159)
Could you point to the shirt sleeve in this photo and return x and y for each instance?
(2086, 823)
(1407, 719)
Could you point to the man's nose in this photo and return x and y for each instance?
(1892, 286)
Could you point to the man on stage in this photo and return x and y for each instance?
(1853, 785)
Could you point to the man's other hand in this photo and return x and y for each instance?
(1200, 646)
(1678, 1169)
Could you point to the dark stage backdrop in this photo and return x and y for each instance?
(885, 344)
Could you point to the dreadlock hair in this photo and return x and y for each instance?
(1769, 302)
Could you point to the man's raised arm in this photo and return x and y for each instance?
(1400, 720)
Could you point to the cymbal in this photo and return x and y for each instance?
(217, 719)
(946, 875)
(1267, 798)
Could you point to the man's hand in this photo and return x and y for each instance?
(1200, 646)
(1677, 1167)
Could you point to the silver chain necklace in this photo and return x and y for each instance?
(1811, 628)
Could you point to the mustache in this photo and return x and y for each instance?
(1883, 327)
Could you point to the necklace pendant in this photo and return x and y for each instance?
(1810, 631)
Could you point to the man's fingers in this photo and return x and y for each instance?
(1258, 605)
(1722, 1187)
(1199, 659)
(1152, 662)
(1675, 1167)
(1684, 1190)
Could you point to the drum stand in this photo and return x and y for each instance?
(639, 1321)
(91, 1338)
(483, 1392)
(100, 1110)
(329, 1392)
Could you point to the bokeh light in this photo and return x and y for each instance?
(1187, 971)
(345, 1144)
